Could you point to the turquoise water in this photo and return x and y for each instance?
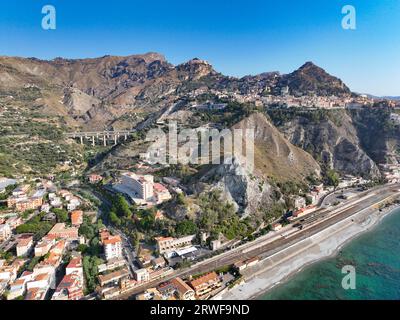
(376, 257)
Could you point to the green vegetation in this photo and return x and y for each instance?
(281, 116)
(33, 143)
(186, 227)
(91, 253)
(232, 114)
(219, 217)
(8, 256)
(62, 215)
(332, 178)
(35, 226)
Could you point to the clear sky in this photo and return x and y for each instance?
(237, 37)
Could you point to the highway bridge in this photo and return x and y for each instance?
(100, 137)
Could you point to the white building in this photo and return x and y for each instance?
(24, 245)
(299, 202)
(142, 185)
(166, 244)
(142, 275)
(112, 247)
(5, 232)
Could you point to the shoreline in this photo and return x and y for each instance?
(282, 266)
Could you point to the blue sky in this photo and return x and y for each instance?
(237, 37)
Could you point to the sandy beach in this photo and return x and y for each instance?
(279, 267)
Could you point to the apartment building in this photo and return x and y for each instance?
(142, 275)
(112, 247)
(24, 245)
(142, 185)
(5, 232)
(60, 230)
(206, 284)
(167, 244)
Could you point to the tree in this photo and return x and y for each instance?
(114, 218)
(122, 207)
(186, 227)
(180, 199)
(332, 178)
(62, 215)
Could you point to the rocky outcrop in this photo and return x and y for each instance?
(246, 192)
(274, 155)
(331, 139)
(311, 79)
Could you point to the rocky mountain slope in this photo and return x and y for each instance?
(114, 92)
(273, 156)
(330, 137)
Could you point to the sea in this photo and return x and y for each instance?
(375, 255)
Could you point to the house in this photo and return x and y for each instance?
(14, 222)
(166, 290)
(111, 265)
(183, 290)
(313, 196)
(18, 287)
(113, 277)
(75, 266)
(42, 281)
(5, 232)
(240, 265)
(304, 211)
(28, 204)
(150, 294)
(158, 263)
(277, 226)
(59, 230)
(94, 178)
(44, 246)
(36, 294)
(161, 193)
(141, 275)
(70, 288)
(144, 260)
(252, 262)
(112, 247)
(74, 203)
(45, 208)
(77, 217)
(56, 202)
(299, 202)
(206, 283)
(24, 245)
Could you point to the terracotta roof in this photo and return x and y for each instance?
(204, 279)
(22, 242)
(75, 263)
(181, 285)
(158, 187)
(112, 240)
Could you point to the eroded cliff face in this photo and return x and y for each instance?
(332, 139)
(248, 193)
(379, 132)
(275, 159)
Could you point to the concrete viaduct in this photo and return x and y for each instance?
(100, 137)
